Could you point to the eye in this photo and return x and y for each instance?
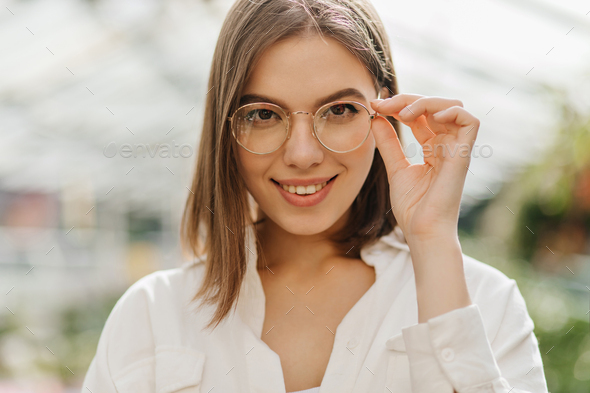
(338, 109)
(263, 114)
(341, 110)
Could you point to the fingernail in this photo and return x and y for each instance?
(376, 102)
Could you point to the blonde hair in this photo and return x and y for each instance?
(220, 199)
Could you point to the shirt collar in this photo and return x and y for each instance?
(251, 300)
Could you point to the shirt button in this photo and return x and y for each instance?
(353, 342)
(448, 354)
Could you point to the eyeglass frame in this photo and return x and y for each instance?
(372, 116)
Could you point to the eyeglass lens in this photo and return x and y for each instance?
(341, 126)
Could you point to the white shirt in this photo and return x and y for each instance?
(312, 390)
(153, 339)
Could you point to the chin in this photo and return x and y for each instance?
(308, 229)
(304, 225)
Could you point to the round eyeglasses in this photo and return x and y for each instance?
(340, 126)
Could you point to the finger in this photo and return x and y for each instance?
(426, 106)
(420, 128)
(392, 105)
(467, 123)
(389, 145)
(422, 132)
(398, 104)
(423, 127)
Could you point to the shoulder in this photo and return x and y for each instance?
(149, 311)
(497, 296)
(492, 290)
(174, 283)
(484, 279)
(155, 290)
(143, 335)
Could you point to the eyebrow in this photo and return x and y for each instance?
(349, 92)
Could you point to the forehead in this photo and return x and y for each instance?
(299, 70)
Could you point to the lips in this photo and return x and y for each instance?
(303, 182)
(303, 187)
(305, 200)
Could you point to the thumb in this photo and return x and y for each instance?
(389, 145)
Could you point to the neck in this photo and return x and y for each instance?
(300, 255)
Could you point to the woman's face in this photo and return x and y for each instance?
(295, 74)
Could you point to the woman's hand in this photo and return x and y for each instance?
(426, 198)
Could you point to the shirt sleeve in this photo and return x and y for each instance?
(451, 352)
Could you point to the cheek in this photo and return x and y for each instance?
(371, 141)
(362, 166)
(362, 159)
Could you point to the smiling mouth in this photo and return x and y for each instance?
(303, 190)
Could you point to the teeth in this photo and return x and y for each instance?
(303, 190)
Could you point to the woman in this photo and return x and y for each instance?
(324, 260)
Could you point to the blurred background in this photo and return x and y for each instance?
(100, 111)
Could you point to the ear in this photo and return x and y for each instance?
(384, 93)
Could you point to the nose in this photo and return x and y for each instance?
(302, 149)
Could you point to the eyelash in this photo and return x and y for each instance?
(346, 106)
